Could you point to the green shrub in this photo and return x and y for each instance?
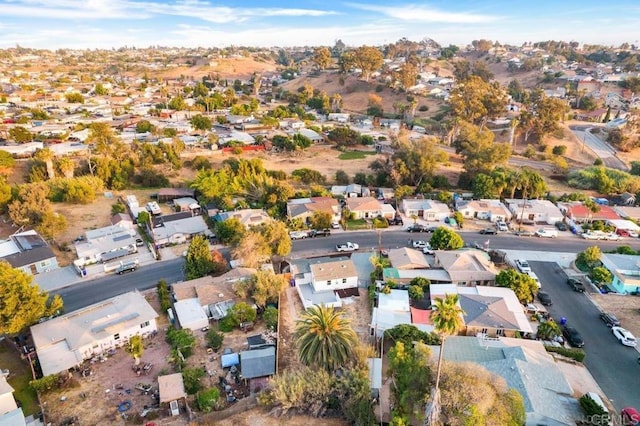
(46, 383)
(192, 378)
(408, 334)
(380, 222)
(207, 400)
(573, 353)
(559, 150)
(590, 406)
(163, 295)
(227, 324)
(598, 162)
(270, 317)
(214, 339)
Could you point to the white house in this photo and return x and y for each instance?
(430, 210)
(326, 281)
(68, 340)
(339, 117)
(28, 252)
(492, 210)
(248, 217)
(177, 228)
(106, 243)
(534, 211)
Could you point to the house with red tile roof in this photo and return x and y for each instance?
(580, 213)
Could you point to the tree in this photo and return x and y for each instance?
(66, 167)
(483, 187)
(182, 340)
(135, 348)
(324, 338)
(242, 312)
(446, 239)
(321, 219)
(589, 258)
(199, 261)
(22, 303)
(270, 318)
(548, 330)
(177, 103)
(276, 236)
(252, 249)
(413, 161)
(409, 367)
(321, 57)
(308, 176)
(191, 378)
(230, 231)
(416, 292)
(522, 285)
(20, 135)
(342, 178)
(478, 150)
(144, 126)
(477, 101)
(208, 399)
(5, 194)
(214, 339)
(368, 59)
(6, 162)
(265, 287)
(201, 122)
(46, 156)
(600, 275)
(447, 318)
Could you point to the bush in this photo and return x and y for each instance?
(192, 378)
(227, 324)
(559, 150)
(423, 108)
(236, 150)
(573, 353)
(270, 317)
(200, 162)
(46, 383)
(214, 339)
(379, 88)
(207, 400)
(590, 406)
(163, 295)
(380, 222)
(416, 292)
(598, 162)
(182, 340)
(408, 334)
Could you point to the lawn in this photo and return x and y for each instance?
(354, 224)
(355, 155)
(19, 377)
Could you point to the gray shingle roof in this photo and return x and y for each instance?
(258, 362)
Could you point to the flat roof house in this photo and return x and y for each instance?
(178, 228)
(430, 210)
(66, 341)
(106, 243)
(534, 211)
(247, 217)
(625, 269)
(492, 210)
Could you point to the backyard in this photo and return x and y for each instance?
(19, 377)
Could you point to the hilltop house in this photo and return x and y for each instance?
(68, 340)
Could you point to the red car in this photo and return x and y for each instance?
(630, 416)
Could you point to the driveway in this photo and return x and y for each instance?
(614, 366)
(599, 147)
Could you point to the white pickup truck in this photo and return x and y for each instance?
(347, 247)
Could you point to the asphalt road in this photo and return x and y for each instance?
(613, 365)
(89, 292)
(601, 148)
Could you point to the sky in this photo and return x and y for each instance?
(54, 24)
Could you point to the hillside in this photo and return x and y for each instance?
(229, 68)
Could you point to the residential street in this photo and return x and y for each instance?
(601, 148)
(613, 365)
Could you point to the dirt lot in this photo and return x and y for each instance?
(626, 308)
(260, 417)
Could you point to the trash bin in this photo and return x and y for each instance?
(563, 321)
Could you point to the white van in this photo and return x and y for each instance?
(535, 278)
(547, 233)
(502, 226)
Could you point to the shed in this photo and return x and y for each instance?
(258, 362)
(229, 360)
(190, 314)
(171, 387)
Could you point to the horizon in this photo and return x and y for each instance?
(112, 24)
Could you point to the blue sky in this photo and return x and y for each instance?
(191, 23)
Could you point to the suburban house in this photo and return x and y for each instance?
(10, 413)
(304, 208)
(350, 191)
(624, 225)
(525, 366)
(407, 258)
(28, 252)
(534, 211)
(257, 365)
(430, 210)
(312, 135)
(106, 243)
(169, 194)
(393, 309)
(247, 217)
(177, 228)
(625, 269)
(491, 210)
(364, 207)
(579, 213)
(325, 281)
(492, 311)
(186, 204)
(628, 212)
(66, 341)
(466, 267)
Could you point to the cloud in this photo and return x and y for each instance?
(131, 9)
(420, 13)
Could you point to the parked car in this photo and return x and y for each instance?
(544, 298)
(502, 226)
(630, 416)
(593, 235)
(624, 336)
(573, 337)
(139, 242)
(612, 236)
(609, 319)
(298, 235)
(489, 231)
(547, 233)
(416, 227)
(535, 278)
(396, 221)
(419, 244)
(523, 266)
(525, 234)
(127, 267)
(347, 247)
(427, 249)
(626, 233)
(576, 284)
(335, 225)
(561, 226)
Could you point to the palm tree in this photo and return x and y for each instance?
(66, 166)
(46, 156)
(447, 320)
(324, 338)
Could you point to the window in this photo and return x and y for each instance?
(484, 331)
(500, 332)
(45, 263)
(344, 281)
(328, 282)
(116, 336)
(144, 324)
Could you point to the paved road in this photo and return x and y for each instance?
(601, 148)
(89, 292)
(613, 365)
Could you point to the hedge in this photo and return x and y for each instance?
(573, 353)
